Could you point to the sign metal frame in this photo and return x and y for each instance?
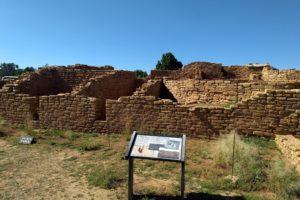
(131, 158)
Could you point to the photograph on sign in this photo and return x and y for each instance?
(157, 147)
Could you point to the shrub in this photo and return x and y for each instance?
(248, 164)
(283, 180)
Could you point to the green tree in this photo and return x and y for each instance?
(28, 69)
(140, 73)
(8, 69)
(12, 69)
(168, 62)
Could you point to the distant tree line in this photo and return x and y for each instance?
(12, 69)
(167, 62)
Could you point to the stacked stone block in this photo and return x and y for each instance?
(290, 147)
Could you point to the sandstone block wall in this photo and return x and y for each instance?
(107, 101)
(148, 113)
(66, 111)
(2, 83)
(261, 115)
(280, 75)
(193, 91)
(16, 108)
(218, 92)
(290, 147)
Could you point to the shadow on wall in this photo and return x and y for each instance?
(46, 82)
(191, 196)
(165, 93)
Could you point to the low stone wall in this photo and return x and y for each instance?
(290, 147)
(218, 92)
(148, 113)
(280, 75)
(66, 111)
(158, 74)
(262, 115)
(16, 108)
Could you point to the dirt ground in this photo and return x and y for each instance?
(59, 165)
(35, 172)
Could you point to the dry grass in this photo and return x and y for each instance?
(89, 162)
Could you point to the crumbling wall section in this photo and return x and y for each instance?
(280, 75)
(260, 115)
(290, 147)
(193, 91)
(218, 92)
(150, 88)
(111, 86)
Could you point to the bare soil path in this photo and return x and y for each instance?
(36, 172)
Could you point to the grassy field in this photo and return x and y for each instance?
(68, 165)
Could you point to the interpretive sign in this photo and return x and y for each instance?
(155, 147)
(26, 139)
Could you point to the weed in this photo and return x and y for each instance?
(260, 142)
(28, 127)
(89, 144)
(229, 104)
(71, 135)
(107, 178)
(55, 133)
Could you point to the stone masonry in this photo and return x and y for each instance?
(103, 100)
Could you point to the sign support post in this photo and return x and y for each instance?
(130, 179)
(182, 180)
(155, 147)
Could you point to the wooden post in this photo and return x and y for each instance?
(182, 180)
(130, 179)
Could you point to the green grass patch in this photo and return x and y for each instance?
(107, 177)
(260, 142)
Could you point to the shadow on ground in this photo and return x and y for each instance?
(190, 196)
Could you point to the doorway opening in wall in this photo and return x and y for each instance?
(35, 116)
(165, 93)
(101, 109)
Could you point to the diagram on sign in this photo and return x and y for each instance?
(157, 147)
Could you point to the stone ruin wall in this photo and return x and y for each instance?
(108, 101)
(218, 92)
(265, 114)
(290, 147)
(1, 84)
(280, 75)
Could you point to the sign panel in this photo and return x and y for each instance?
(156, 147)
(26, 139)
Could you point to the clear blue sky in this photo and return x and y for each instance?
(133, 34)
